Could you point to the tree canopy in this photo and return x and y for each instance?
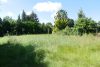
(30, 24)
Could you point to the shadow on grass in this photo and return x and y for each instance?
(16, 55)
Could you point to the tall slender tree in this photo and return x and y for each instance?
(0, 20)
(81, 14)
(1, 31)
(24, 16)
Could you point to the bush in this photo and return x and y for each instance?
(70, 31)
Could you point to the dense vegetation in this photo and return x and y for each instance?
(83, 25)
(50, 51)
(25, 24)
(29, 24)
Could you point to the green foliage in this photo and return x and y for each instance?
(81, 14)
(61, 14)
(25, 24)
(61, 23)
(49, 27)
(67, 31)
(8, 26)
(61, 19)
(29, 24)
(70, 31)
(55, 30)
(86, 25)
(98, 26)
(83, 25)
(70, 23)
(1, 31)
(33, 17)
(46, 28)
(24, 17)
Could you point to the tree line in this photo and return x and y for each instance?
(83, 24)
(29, 24)
(25, 24)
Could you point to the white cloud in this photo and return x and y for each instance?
(48, 6)
(10, 14)
(3, 1)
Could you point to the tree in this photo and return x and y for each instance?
(86, 25)
(6, 26)
(43, 28)
(60, 24)
(81, 14)
(35, 21)
(0, 20)
(24, 16)
(49, 27)
(98, 26)
(31, 20)
(19, 19)
(61, 14)
(1, 31)
(33, 17)
(92, 26)
(19, 26)
(61, 19)
(81, 24)
(70, 23)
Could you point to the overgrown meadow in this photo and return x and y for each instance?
(38, 40)
(50, 51)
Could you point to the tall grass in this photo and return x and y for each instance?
(62, 50)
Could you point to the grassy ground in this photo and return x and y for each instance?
(63, 51)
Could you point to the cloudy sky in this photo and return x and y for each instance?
(46, 9)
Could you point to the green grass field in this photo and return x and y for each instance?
(62, 50)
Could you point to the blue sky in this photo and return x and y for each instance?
(46, 9)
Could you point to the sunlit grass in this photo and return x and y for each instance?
(62, 50)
